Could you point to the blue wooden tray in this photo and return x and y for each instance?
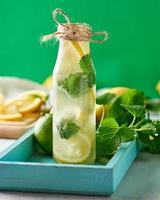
(23, 167)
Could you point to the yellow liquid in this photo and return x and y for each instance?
(79, 148)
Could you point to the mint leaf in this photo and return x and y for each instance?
(110, 136)
(109, 127)
(135, 110)
(105, 98)
(67, 128)
(86, 65)
(75, 84)
(121, 115)
(125, 115)
(149, 135)
(78, 84)
(126, 134)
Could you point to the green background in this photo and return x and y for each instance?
(129, 58)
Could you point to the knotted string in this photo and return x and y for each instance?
(73, 31)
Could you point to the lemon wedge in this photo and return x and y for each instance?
(73, 150)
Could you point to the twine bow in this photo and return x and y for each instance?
(73, 31)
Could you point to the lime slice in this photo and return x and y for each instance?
(73, 150)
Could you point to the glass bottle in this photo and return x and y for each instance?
(74, 100)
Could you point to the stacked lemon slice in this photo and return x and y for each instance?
(23, 109)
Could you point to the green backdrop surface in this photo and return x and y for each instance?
(131, 56)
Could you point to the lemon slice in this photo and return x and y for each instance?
(10, 117)
(24, 105)
(26, 120)
(9, 113)
(73, 150)
(34, 93)
(28, 105)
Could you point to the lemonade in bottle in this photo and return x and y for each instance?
(74, 95)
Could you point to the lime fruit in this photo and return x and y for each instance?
(43, 132)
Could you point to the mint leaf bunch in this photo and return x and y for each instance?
(125, 120)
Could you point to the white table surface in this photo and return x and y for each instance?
(142, 182)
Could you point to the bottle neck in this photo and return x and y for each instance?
(79, 47)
